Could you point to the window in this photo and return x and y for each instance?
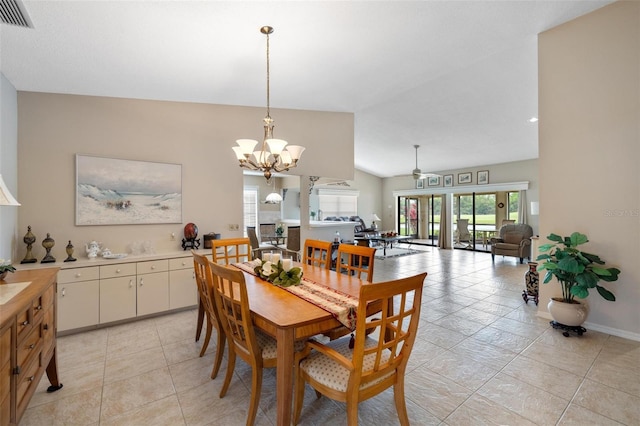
(338, 203)
(250, 207)
(512, 205)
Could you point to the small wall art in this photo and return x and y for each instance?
(464, 177)
(448, 180)
(433, 181)
(483, 177)
(112, 191)
(420, 184)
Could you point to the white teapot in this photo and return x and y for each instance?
(92, 249)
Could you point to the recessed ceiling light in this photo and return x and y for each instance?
(533, 119)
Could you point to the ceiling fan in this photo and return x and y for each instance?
(417, 173)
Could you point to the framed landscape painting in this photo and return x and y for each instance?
(448, 180)
(112, 191)
(483, 177)
(433, 181)
(464, 177)
(420, 184)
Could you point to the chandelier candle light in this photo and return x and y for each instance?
(274, 155)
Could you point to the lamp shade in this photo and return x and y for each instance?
(273, 198)
(374, 217)
(6, 199)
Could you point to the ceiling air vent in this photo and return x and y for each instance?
(13, 12)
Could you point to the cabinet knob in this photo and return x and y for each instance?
(78, 274)
(26, 322)
(130, 283)
(31, 346)
(141, 282)
(153, 267)
(39, 308)
(117, 271)
(64, 290)
(184, 263)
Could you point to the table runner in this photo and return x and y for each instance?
(342, 306)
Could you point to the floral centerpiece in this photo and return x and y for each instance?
(278, 273)
(280, 230)
(5, 267)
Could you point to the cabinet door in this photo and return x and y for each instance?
(117, 298)
(78, 304)
(183, 291)
(153, 293)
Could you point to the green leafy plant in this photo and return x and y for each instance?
(6, 266)
(575, 270)
(276, 274)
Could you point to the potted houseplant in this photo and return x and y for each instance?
(5, 268)
(577, 272)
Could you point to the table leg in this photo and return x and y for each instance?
(284, 375)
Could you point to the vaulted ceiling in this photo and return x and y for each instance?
(458, 78)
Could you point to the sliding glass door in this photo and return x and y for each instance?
(474, 220)
(408, 216)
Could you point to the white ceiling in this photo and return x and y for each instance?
(458, 78)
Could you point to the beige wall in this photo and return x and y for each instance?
(589, 106)
(53, 128)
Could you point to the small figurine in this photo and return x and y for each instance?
(48, 244)
(29, 239)
(69, 249)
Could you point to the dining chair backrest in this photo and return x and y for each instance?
(267, 230)
(293, 238)
(356, 260)
(317, 253)
(253, 237)
(231, 250)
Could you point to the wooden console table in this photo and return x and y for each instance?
(27, 339)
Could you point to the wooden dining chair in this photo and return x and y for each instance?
(231, 250)
(317, 253)
(293, 243)
(354, 375)
(255, 347)
(356, 260)
(256, 248)
(267, 232)
(204, 281)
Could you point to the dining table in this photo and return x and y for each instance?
(288, 318)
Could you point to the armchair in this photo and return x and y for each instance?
(513, 240)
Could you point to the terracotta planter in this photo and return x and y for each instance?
(571, 314)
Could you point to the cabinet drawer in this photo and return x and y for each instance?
(24, 321)
(42, 302)
(28, 347)
(78, 274)
(25, 381)
(120, 270)
(181, 263)
(152, 266)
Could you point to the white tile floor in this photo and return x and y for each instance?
(482, 356)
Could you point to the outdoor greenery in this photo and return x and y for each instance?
(575, 270)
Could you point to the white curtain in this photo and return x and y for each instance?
(522, 207)
(443, 239)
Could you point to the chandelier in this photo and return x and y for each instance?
(274, 155)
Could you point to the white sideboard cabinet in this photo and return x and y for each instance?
(92, 293)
